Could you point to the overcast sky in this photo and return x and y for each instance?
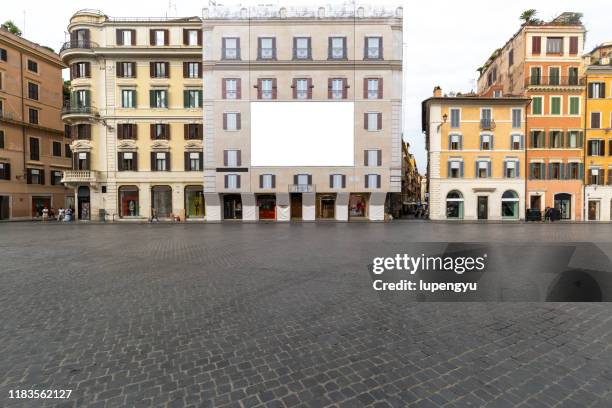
(445, 40)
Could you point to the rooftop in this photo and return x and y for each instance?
(331, 11)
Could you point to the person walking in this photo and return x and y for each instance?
(60, 214)
(45, 213)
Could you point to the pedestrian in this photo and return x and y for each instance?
(60, 214)
(45, 213)
(68, 216)
(154, 215)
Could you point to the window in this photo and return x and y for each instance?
(158, 37)
(373, 88)
(510, 58)
(127, 70)
(67, 150)
(301, 89)
(337, 88)
(3, 54)
(486, 142)
(128, 201)
(454, 142)
(536, 171)
(556, 139)
(483, 169)
(80, 70)
(128, 98)
(192, 70)
(32, 66)
(230, 48)
(455, 169)
(575, 171)
(536, 105)
(573, 139)
(34, 148)
(337, 48)
(486, 119)
(597, 90)
(554, 45)
(267, 181)
(573, 46)
(160, 69)
(266, 89)
(35, 176)
(232, 181)
(231, 121)
(454, 205)
(301, 48)
(1, 139)
(5, 171)
(160, 131)
(192, 98)
(372, 181)
(574, 105)
(516, 142)
(337, 181)
(373, 48)
(511, 169)
(193, 161)
(595, 120)
(160, 161)
(510, 205)
(373, 158)
(57, 149)
(555, 105)
(596, 148)
(159, 98)
(373, 121)
(192, 37)
(267, 48)
(537, 139)
(517, 118)
(596, 176)
(193, 131)
(81, 98)
(302, 180)
(535, 77)
(554, 171)
(127, 131)
(126, 37)
(554, 76)
(33, 116)
(83, 131)
(33, 91)
(572, 76)
(127, 161)
(80, 38)
(231, 88)
(497, 93)
(231, 158)
(455, 115)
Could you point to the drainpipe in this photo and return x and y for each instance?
(23, 127)
(584, 147)
(525, 164)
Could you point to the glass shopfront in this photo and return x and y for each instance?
(510, 205)
(267, 207)
(161, 199)
(194, 202)
(128, 201)
(454, 205)
(358, 204)
(326, 205)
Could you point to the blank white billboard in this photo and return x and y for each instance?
(302, 133)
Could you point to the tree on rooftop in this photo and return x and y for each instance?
(528, 16)
(12, 28)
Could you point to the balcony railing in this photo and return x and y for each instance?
(80, 176)
(78, 45)
(487, 124)
(68, 109)
(554, 81)
(301, 188)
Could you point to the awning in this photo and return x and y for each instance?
(378, 198)
(342, 199)
(282, 199)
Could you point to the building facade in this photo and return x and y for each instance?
(265, 58)
(476, 157)
(135, 114)
(598, 131)
(542, 61)
(33, 148)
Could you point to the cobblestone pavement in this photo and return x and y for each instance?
(278, 315)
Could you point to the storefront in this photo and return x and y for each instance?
(38, 204)
(232, 207)
(5, 207)
(161, 201)
(454, 205)
(83, 202)
(128, 201)
(194, 202)
(563, 203)
(267, 207)
(326, 206)
(510, 205)
(358, 204)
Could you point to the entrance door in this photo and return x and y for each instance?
(38, 204)
(296, 206)
(83, 203)
(267, 207)
(483, 207)
(563, 204)
(232, 207)
(594, 210)
(535, 202)
(4, 208)
(327, 207)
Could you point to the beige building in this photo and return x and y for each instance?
(33, 149)
(262, 66)
(136, 116)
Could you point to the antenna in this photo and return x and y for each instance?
(23, 32)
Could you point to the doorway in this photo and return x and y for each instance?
(535, 202)
(267, 207)
(232, 207)
(83, 203)
(326, 205)
(563, 204)
(296, 206)
(593, 210)
(38, 204)
(4, 208)
(483, 207)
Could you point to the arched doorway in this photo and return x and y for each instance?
(510, 205)
(563, 204)
(454, 205)
(83, 203)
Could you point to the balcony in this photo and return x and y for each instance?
(548, 81)
(74, 112)
(487, 124)
(75, 48)
(301, 188)
(80, 176)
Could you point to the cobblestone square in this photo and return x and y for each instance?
(280, 315)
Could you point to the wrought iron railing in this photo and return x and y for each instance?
(301, 188)
(554, 81)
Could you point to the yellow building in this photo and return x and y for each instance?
(598, 126)
(476, 157)
(136, 116)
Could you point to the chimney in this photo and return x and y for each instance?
(437, 92)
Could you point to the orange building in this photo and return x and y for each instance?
(542, 61)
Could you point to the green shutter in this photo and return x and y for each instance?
(537, 106)
(87, 98)
(200, 98)
(152, 98)
(134, 99)
(555, 106)
(186, 101)
(574, 106)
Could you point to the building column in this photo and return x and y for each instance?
(249, 207)
(212, 202)
(341, 210)
(144, 200)
(376, 203)
(178, 194)
(309, 206)
(283, 209)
